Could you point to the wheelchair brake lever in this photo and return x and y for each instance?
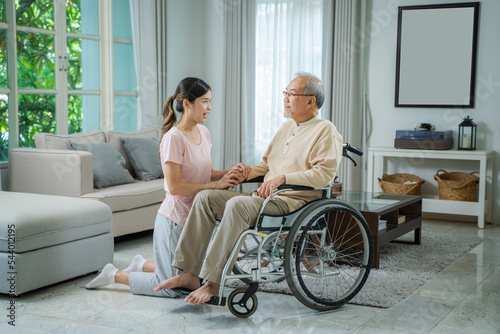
(350, 158)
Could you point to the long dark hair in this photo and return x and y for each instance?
(189, 89)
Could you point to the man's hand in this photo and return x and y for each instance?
(267, 188)
(237, 176)
(242, 168)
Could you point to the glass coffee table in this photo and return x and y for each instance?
(388, 216)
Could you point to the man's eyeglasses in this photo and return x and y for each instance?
(288, 94)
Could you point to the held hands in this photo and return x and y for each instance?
(267, 188)
(234, 176)
(243, 169)
(239, 172)
(229, 180)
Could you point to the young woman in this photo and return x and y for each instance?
(187, 168)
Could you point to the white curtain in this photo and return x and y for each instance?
(149, 34)
(235, 27)
(284, 38)
(344, 79)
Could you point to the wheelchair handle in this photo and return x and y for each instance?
(351, 148)
(348, 147)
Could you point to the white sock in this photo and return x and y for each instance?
(107, 276)
(136, 264)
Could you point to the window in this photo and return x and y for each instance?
(51, 73)
(288, 40)
(82, 65)
(125, 95)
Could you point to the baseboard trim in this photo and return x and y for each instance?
(495, 217)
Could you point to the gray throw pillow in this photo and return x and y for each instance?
(108, 164)
(143, 156)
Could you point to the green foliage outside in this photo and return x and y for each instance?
(36, 65)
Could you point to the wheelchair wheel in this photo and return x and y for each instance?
(328, 255)
(240, 309)
(271, 260)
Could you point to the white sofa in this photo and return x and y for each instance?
(54, 168)
(48, 239)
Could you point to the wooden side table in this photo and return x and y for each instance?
(388, 207)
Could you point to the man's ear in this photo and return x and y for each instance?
(312, 101)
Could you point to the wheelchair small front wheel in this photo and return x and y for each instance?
(240, 308)
(328, 255)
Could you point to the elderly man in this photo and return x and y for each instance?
(305, 151)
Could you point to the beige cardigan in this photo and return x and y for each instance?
(307, 154)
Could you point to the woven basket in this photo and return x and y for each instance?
(457, 186)
(395, 184)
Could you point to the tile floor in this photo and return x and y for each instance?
(463, 298)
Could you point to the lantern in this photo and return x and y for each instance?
(467, 134)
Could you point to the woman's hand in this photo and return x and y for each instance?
(229, 180)
(243, 169)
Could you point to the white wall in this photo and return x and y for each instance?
(185, 41)
(386, 119)
(195, 39)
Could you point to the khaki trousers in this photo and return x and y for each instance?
(237, 212)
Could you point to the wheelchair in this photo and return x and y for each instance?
(323, 250)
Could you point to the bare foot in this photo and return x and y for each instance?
(183, 281)
(203, 294)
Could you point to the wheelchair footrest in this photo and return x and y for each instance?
(215, 300)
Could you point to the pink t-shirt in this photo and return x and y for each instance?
(196, 167)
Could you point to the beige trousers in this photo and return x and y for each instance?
(237, 212)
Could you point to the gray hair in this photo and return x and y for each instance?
(314, 87)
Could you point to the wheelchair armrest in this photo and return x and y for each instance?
(294, 187)
(283, 188)
(258, 179)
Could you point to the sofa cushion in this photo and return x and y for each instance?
(108, 165)
(143, 156)
(44, 220)
(130, 196)
(114, 138)
(61, 142)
